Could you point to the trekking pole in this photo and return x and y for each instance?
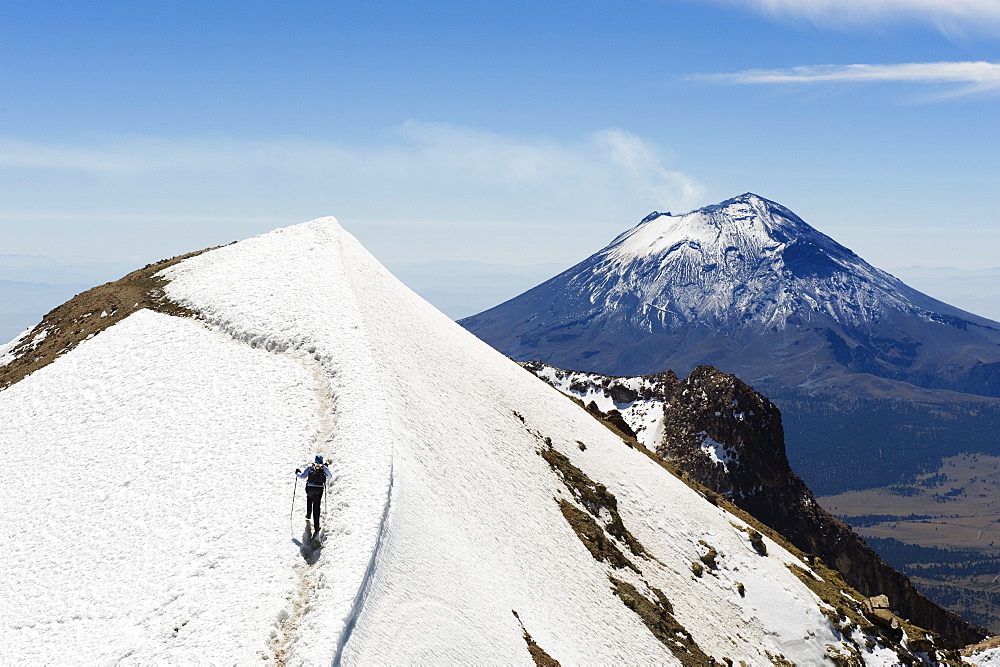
(291, 515)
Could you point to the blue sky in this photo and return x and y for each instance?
(507, 133)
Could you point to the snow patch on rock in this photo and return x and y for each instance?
(716, 451)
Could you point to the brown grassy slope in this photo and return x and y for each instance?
(88, 314)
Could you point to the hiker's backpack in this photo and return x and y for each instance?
(317, 476)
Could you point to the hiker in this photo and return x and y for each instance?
(315, 476)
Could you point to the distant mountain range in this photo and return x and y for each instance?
(30, 286)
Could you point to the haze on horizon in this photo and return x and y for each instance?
(490, 142)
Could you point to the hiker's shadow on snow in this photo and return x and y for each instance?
(308, 547)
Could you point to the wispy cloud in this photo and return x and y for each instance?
(424, 169)
(643, 166)
(962, 77)
(950, 16)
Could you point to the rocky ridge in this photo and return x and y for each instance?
(86, 315)
(729, 438)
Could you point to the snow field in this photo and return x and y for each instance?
(645, 417)
(474, 531)
(987, 658)
(145, 474)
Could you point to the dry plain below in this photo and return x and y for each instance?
(942, 530)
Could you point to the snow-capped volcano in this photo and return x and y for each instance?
(149, 433)
(744, 259)
(749, 287)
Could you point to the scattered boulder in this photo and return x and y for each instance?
(877, 611)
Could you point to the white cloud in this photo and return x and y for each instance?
(426, 169)
(643, 164)
(424, 192)
(964, 77)
(950, 16)
(131, 155)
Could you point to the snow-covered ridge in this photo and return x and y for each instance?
(450, 507)
(305, 305)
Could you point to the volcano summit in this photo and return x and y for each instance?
(749, 287)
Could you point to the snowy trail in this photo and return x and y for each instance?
(305, 303)
(287, 629)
